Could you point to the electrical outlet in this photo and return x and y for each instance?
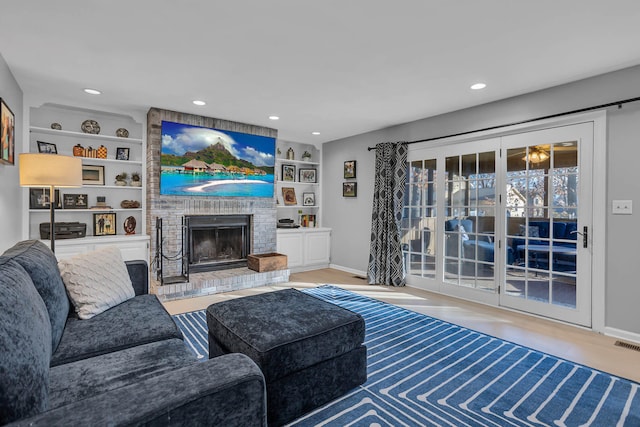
(622, 207)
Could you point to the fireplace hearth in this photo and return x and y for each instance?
(216, 242)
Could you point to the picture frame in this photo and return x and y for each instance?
(289, 173)
(349, 169)
(122, 153)
(104, 224)
(39, 198)
(92, 175)
(308, 199)
(289, 196)
(74, 201)
(349, 189)
(7, 134)
(308, 175)
(47, 147)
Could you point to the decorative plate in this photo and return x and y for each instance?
(130, 225)
(122, 133)
(56, 126)
(90, 126)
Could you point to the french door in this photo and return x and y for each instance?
(504, 221)
(547, 210)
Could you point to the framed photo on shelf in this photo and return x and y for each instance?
(74, 201)
(349, 189)
(104, 224)
(7, 130)
(289, 173)
(122, 153)
(47, 147)
(350, 169)
(92, 175)
(289, 196)
(308, 175)
(308, 199)
(39, 198)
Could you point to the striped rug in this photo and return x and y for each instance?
(426, 372)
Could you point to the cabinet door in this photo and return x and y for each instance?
(291, 245)
(316, 248)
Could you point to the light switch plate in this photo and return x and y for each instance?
(622, 207)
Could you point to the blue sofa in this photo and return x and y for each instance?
(564, 234)
(474, 246)
(125, 366)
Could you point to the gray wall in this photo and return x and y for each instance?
(350, 218)
(10, 191)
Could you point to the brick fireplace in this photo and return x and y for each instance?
(261, 227)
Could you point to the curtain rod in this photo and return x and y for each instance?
(566, 113)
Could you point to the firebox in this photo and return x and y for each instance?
(216, 242)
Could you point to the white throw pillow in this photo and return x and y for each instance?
(96, 281)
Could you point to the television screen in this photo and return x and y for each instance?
(199, 161)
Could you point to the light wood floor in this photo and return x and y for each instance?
(565, 341)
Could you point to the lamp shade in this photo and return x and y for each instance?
(43, 170)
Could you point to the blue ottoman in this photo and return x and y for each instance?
(310, 351)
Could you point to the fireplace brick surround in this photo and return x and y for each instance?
(172, 208)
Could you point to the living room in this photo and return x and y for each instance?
(614, 273)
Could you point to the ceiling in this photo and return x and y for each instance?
(333, 66)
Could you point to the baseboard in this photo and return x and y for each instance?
(621, 334)
(348, 270)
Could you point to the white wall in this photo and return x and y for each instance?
(350, 219)
(10, 191)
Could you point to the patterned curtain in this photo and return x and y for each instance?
(386, 264)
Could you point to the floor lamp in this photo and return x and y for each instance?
(50, 170)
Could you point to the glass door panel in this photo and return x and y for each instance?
(542, 218)
(418, 226)
(469, 231)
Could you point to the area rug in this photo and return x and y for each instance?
(426, 372)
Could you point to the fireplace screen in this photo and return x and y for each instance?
(216, 242)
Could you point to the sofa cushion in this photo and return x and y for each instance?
(25, 345)
(137, 321)
(41, 264)
(96, 281)
(90, 377)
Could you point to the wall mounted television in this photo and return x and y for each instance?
(200, 161)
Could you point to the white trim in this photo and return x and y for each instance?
(349, 270)
(599, 223)
(619, 333)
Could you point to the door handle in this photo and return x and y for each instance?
(584, 234)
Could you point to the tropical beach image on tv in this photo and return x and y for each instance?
(199, 161)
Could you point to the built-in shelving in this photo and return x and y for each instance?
(71, 118)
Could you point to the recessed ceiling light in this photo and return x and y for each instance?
(478, 86)
(315, 133)
(274, 118)
(92, 91)
(200, 103)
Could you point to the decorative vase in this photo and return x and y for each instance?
(290, 154)
(121, 183)
(136, 183)
(78, 150)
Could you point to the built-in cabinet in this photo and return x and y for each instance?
(305, 248)
(118, 148)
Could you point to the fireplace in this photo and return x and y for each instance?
(216, 242)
